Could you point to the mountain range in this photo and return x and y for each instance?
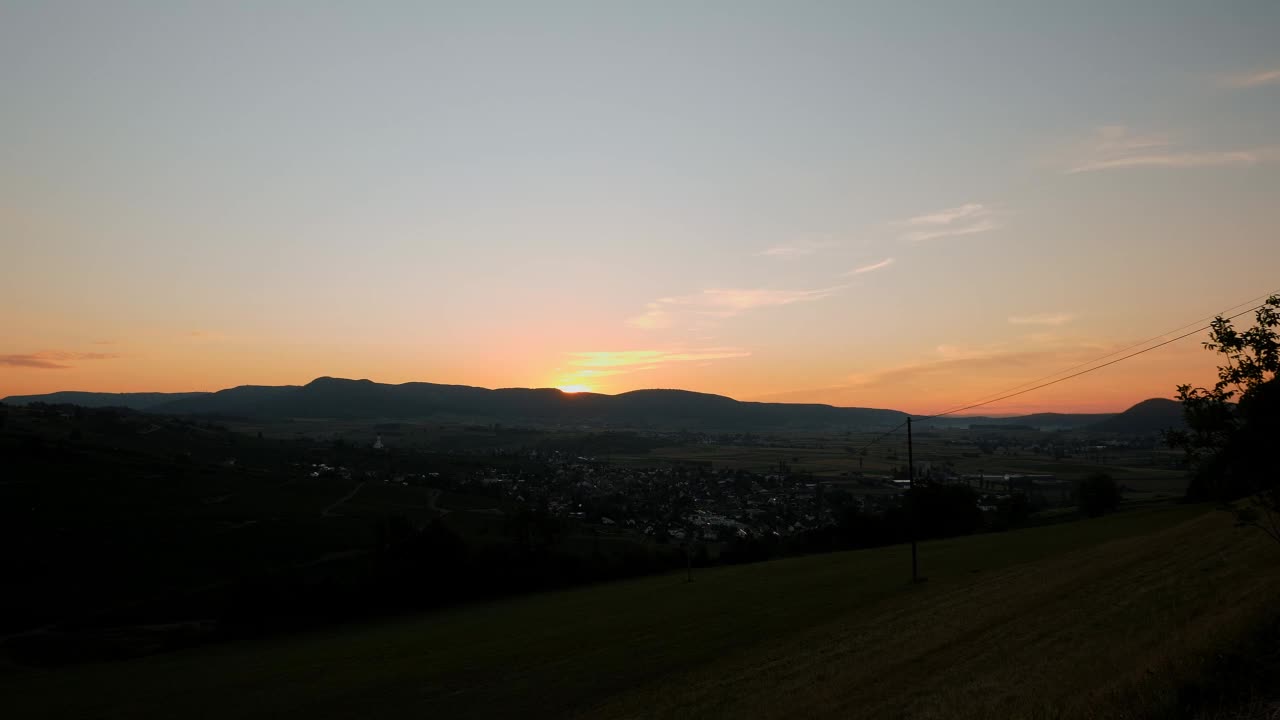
(338, 398)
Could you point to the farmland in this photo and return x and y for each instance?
(1089, 619)
(1147, 468)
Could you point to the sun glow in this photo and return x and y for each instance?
(573, 388)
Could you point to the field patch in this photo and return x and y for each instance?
(1044, 621)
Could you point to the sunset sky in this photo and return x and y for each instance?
(893, 204)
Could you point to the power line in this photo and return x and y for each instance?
(1016, 391)
(914, 519)
(1128, 348)
(1083, 372)
(884, 435)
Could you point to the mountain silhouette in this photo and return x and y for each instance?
(339, 398)
(133, 401)
(1146, 418)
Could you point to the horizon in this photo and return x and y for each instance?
(577, 392)
(872, 206)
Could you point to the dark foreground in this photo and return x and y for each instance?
(1122, 616)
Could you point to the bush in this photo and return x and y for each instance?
(1097, 495)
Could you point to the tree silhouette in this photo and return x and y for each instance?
(1098, 494)
(1232, 427)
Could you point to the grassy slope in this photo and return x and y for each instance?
(1052, 621)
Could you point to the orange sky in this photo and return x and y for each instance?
(935, 381)
(854, 204)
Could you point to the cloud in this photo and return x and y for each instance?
(959, 375)
(871, 268)
(1254, 79)
(797, 248)
(593, 365)
(961, 362)
(967, 219)
(636, 360)
(722, 303)
(735, 301)
(51, 359)
(950, 215)
(655, 317)
(1054, 319)
(1115, 147)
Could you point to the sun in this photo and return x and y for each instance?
(574, 388)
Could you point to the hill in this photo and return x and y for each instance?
(132, 401)
(1146, 418)
(339, 398)
(1104, 618)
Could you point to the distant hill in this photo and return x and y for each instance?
(339, 398)
(1146, 418)
(246, 400)
(133, 401)
(1039, 421)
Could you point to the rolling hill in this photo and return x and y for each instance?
(339, 398)
(134, 401)
(1146, 418)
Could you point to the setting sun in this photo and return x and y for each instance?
(573, 388)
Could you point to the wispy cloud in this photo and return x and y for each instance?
(967, 219)
(587, 367)
(1053, 319)
(871, 268)
(733, 301)
(959, 361)
(51, 359)
(206, 336)
(655, 316)
(956, 375)
(1116, 147)
(1253, 79)
(798, 248)
(633, 360)
(722, 303)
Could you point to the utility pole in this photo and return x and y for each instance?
(911, 486)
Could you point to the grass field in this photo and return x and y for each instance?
(1086, 619)
(1146, 474)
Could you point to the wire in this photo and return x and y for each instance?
(1083, 372)
(882, 436)
(1017, 389)
(1125, 349)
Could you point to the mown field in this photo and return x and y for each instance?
(1101, 618)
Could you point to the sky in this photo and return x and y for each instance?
(905, 205)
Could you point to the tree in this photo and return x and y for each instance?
(1232, 427)
(945, 510)
(1097, 494)
(1011, 511)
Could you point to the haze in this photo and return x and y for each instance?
(850, 203)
